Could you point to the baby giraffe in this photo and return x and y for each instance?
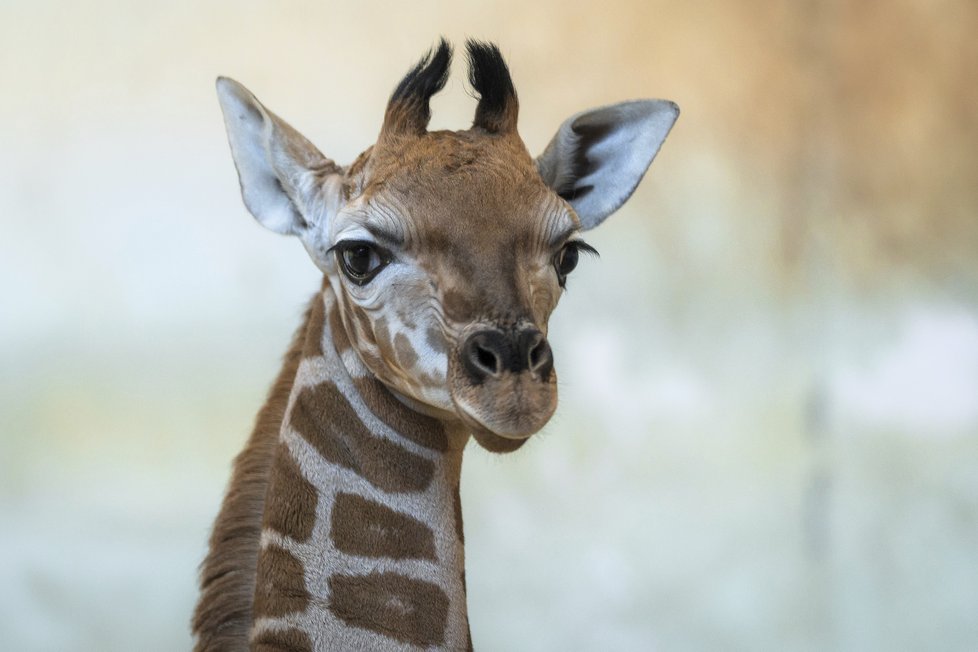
(443, 254)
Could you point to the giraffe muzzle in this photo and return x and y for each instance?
(504, 386)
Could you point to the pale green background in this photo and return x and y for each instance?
(768, 436)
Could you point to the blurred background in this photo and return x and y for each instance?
(768, 436)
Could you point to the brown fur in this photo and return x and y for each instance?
(409, 610)
(406, 355)
(419, 428)
(223, 614)
(282, 589)
(344, 440)
(291, 507)
(282, 640)
(366, 528)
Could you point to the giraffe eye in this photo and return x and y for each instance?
(566, 259)
(361, 261)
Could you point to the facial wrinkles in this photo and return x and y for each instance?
(560, 220)
(509, 281)
(558, 224)
(349, 222)
(392, 317)
(391, 215)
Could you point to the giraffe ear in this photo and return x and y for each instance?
(598, 157)
(284, 178)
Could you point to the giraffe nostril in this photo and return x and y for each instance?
(535, 356)
(538, 354)
(487, 359)
(483, 355)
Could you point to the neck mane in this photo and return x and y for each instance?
(342, 524)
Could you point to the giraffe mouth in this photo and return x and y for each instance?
(503, 413)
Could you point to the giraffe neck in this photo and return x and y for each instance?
(361, 540)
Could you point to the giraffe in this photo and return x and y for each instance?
(443, 254)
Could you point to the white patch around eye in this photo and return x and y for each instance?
(347, 224)
(353, 232)
(356, 219)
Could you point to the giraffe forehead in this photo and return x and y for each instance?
(471, 217)
(463, 187)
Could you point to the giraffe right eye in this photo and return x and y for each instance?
(361, 261)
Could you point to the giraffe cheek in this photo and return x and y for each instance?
(407, 357)
(407, 363)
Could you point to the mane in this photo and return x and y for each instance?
(223, 616)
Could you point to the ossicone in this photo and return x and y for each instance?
(498, 107)
(409, 108)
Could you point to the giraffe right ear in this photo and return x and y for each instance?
(284, 178)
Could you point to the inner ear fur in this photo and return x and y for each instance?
(282, 174)
(597, 158)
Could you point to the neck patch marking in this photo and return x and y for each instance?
(324, 418)
(366, 528)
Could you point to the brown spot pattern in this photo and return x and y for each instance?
(436, 340)
(324, 417)
(405, 352)
(363, 322)
(291, 500)
(383, 337)
(369, 529)
(421, 429)
(281, 587)
(458, 306)
(282, 640)
(391, 604)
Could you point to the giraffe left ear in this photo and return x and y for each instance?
(598, 157)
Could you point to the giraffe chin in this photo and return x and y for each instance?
(511, 426)
(496, 444)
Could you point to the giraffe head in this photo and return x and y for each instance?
(448, 250)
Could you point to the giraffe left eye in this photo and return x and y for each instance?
(361, 261)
